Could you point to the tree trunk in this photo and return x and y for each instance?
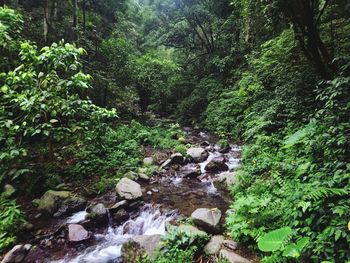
(46, 20)
(75, 20)
(84, 16)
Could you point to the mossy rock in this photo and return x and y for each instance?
(57, 203)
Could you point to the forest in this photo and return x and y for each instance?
(175, 131)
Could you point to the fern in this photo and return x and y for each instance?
(324, 192)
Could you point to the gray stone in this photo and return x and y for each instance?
(148, 161)
(128, 189)
(77, 233)
(214, 245)
(58, 203)
(138, 246)
(232, 257)
(17, 254)
(216, 165)
(198, 154)
(208, 219)
(225, 180)
(98, 213)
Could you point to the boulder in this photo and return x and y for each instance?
(214, 245)
(208, 219)
(225, 180)
(77, 233)
(198, 154)
(138, 246)
(148, 161)
(121, 215)
(98, 213)
(216, 165)
(128, 189)
(190, 172)
(58, 203)
(232, 257)
(177, 158)
(17, 254)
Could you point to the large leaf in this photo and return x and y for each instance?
(273, 240)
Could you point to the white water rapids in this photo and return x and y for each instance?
(149, 222)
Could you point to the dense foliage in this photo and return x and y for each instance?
(274, 74)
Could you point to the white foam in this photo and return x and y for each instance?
(77, 217)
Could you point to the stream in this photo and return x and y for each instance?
(167, 197)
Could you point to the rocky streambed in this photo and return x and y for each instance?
(121, 224)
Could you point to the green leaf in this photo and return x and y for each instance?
(291, 251)
(302, 243)
(274, 240)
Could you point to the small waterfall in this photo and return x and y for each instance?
(77, 217)
(150, 222)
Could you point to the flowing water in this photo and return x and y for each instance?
(150, 222)
(169, 196)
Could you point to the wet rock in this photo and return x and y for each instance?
(8, 190)
(77, 233)
(128, 189)
(98, 213)
(148, 161)
(208, 219)
(225, 180)
(232, 257)
(225, 149)
(190, 172)
(198, 154)
(216, 165)
(121, 215)
(134, 205)
(177, 158)
(118, 206)
(214, 245)
(138, 246)
(58, 203)
(17, 254)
